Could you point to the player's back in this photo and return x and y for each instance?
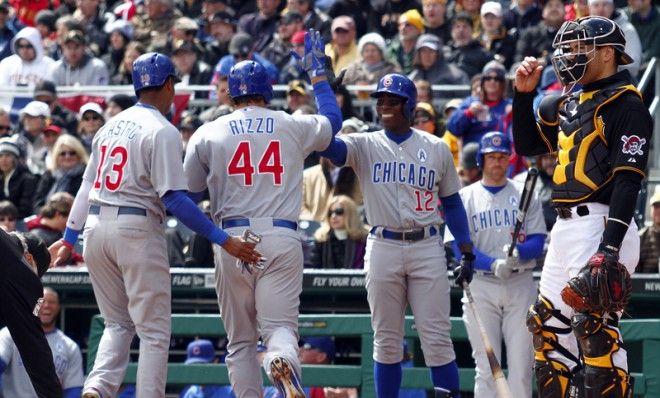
(135, 160)
(255, 158)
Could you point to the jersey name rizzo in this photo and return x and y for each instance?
(403, 173)
(258, 125)
(493, 218)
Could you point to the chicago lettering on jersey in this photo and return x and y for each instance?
(122, 127)
(403, 173)
(493, 218)
(258, 125)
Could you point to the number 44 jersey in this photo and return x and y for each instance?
(252, 161)
(135, 160)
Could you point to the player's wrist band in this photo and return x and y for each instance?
(70, 237)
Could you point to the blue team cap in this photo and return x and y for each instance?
(200, 351)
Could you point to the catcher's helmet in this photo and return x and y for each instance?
(249, 78)
(492, 142)
(399, 85)
(570, 63)
(152, 70)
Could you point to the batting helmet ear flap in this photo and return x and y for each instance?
(401, 86)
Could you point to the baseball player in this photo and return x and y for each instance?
(602, 134)
(66, 355)
(252, 163)
(503, 287)
(403, 172)
(25, 260)
(133, 175)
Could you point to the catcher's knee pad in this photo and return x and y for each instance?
(599, 341)
(553, 377)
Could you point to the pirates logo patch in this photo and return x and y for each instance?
(632, 145)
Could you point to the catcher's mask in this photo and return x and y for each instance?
(575, 44)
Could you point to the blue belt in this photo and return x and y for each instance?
(245, 222)
(121, 210)
(414, 235)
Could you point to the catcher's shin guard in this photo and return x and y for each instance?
(553, 377)
(599, 341)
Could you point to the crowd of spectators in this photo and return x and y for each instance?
(47, 45)
(44, 145)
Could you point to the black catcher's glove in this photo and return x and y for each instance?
(603, 285)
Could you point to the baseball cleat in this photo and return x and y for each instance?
(285, 379)
(91, 392)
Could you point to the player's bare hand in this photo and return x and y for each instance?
(242, 250)
(59, 252)
(528, 75)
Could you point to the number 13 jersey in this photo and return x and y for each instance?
(135, 160)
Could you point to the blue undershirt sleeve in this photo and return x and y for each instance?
(3, 366)
(179, 204)
(456, 218)
(326, 102)
(196, 196)
(336, 152)
(482, 261)
(73, 392)
(532, 247)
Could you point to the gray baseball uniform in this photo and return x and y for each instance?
(134, 161)
(252, 163)
(66, 356)
(502, 303)
(401, 184)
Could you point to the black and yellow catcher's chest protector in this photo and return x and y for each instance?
(584, 163)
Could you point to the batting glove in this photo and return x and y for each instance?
(503, 268)
(514, 261)
(313, 62)
(464, 271)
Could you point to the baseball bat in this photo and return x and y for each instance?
(501, 385)
(525, 199)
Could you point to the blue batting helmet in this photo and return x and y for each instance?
(401, 86)
(492, 142)
(249, 78)
(152, 70)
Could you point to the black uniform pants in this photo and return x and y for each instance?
(20, 289)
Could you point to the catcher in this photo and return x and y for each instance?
(602, 134)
